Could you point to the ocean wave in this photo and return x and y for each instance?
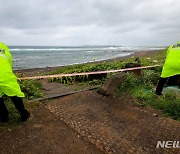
(16, 59)
(111, 48)
(29, 57)
(90, 51)
(44, 49)
(55, 49)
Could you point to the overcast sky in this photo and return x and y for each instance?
(90, 22)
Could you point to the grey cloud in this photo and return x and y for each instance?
(90, 21)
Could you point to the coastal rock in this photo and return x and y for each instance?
(91, 77)
(110, 86)
(138, 72)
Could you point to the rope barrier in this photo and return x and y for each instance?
(86, 73)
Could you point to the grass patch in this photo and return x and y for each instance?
(31, 89)
(142, 90)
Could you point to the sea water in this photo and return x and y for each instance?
(26, 57)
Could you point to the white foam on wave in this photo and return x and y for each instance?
(16, 59)
(90, 51)
(45, 49)
(129, 48)
(65, 49)
(112, 48)
(54, 49)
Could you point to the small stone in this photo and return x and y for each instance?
(156, 115)
(89, 136)
(83, 133)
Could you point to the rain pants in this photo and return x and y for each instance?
(8, 81)
(172, 63)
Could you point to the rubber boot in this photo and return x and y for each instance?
(4, 115)
(18, 102)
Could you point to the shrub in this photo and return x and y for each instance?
(31, 89)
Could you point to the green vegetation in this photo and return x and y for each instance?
(101, 66)
(31, 89)
(141, 89)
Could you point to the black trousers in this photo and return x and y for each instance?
(18, 103)
(161, 83)
(171, 81)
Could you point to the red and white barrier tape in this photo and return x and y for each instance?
(86, 73)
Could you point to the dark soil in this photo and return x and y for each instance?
(44, 133)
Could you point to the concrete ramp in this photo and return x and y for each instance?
(115, 125)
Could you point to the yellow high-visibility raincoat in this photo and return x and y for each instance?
(8, 81)
(172, 63)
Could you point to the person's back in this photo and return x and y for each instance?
(5, 67)
(172, 64)
(9, 86)
(5, 61)
(171, 68)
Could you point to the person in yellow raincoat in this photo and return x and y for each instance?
(9, 86)
(171, 69)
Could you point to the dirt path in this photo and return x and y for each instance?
(44, 133)
(115, 125)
